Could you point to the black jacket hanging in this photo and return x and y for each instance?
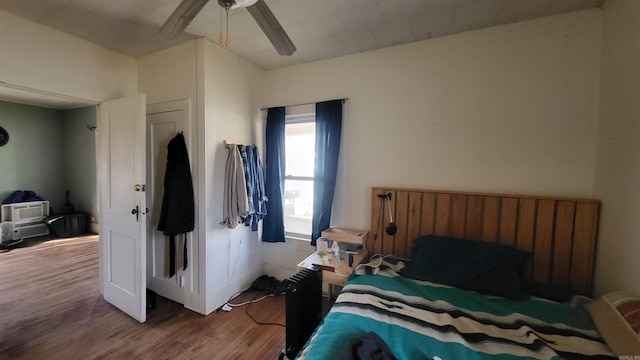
(177, 215)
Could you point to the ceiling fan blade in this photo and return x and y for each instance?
(272, 28)
(181, 17)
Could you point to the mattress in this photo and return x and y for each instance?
(424, 320)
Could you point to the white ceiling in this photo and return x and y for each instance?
(320, 28)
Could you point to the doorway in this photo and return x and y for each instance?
(50, 151)
(164, 121)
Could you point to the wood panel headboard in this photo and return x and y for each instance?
(560, 233)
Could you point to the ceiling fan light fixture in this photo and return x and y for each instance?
(235, 4)
(243, 3)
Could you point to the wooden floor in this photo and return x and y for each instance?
(50, 308)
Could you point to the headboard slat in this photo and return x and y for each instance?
(402, 221)
(491, 219)
(415, 217)
(508, 221)
(585, 226)
(428, 225)
(559, 232)
(474, 221)
(442, 211)
(544, 241)
(458, 215)
(562, 243)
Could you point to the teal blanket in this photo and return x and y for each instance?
(423, 320)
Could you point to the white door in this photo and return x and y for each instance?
(164, 121)
(122, 204)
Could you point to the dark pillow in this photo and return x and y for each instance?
(488, 268)
(503, 281)
(547, 291)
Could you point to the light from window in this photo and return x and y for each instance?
(300, 134)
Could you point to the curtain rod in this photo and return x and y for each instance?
(309, 103)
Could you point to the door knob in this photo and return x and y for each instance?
(138, 187)
(136, 212)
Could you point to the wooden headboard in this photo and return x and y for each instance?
(560, 233)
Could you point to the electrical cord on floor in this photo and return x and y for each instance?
(268, 293)
(251, 301)
(246, 311)
(229, 274)
(8, 246)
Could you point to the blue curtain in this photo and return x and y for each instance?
(328, 131)
(273, 226)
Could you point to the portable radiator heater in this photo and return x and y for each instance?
(303, 309)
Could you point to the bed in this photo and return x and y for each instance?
(393, 306)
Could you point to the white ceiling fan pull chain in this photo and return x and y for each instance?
(221, 37)
(226, 42)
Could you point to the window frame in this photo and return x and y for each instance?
(290, 120)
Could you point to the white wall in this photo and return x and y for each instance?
(170, 74)
(509, 109)
(231, 99)
(40, 58)
(224, 92)
(618, 158)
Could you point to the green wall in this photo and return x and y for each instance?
(49, 152)
(34, 157)
(80, 158)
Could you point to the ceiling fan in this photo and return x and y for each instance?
(188, 9)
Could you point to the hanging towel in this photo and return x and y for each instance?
(177, 215)
(235, 202)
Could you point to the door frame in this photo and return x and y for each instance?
(188, 283)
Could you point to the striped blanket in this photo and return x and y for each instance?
(423, 320)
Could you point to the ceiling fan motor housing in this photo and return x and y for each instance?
(234, 4)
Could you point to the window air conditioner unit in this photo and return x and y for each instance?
(25, 212)
(23, 220)
(11, 231)
(6, 232)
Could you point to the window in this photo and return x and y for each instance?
(293, 136)
(300, 133)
